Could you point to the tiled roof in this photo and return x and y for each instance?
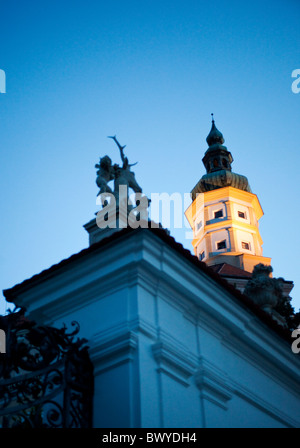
(227, 270)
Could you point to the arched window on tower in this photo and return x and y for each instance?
(225, 163)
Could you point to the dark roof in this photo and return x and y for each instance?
(227, 270)
(12, 293)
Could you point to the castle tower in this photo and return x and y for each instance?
(224, 214)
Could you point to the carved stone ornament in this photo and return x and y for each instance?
(265, 291)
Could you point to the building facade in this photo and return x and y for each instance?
(173, 344)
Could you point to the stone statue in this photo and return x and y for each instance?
(265, 291)
(118, 210)
(105, 174)
(123, 158)
(121, 175)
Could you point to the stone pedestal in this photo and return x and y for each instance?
(113, 218)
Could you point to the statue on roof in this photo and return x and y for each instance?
(266, 291)
(105, 174)
(123, 158)
(122, 175)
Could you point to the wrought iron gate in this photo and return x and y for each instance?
(46, 376)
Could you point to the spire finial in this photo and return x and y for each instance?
(215, 136)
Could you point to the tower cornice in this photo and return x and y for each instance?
(224, 194)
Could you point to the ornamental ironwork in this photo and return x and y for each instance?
(46, 376)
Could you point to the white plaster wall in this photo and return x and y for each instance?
(202, 247)
(199, 218)
(241, 208)
(213, 208)
(247, 237)
(217, 236)
(170, 346)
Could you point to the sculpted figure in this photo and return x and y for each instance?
(263, 289)
(123, 175)
(105, 174)
(118, 208)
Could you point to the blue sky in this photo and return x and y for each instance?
(151, 72)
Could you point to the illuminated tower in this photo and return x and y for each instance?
(224, 213)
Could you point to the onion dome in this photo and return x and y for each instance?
(217, 161)
(217, 157)
(215, 136)
(220, 179)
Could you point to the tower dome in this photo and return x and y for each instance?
(215, 136)
(217, 161)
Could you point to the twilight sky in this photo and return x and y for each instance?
(150, 72)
